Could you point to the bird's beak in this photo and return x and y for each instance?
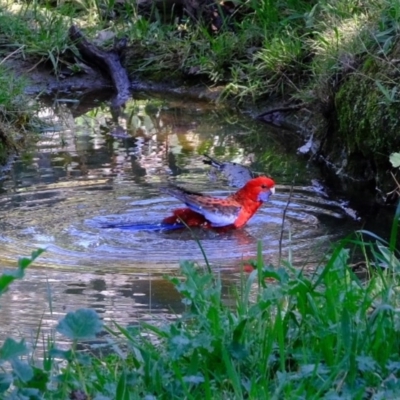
(264, 196)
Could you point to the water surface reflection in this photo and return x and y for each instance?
(90, 169)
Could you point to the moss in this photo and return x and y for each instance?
(367, 106)
(367, 122)
(363, 123)
(370, 66)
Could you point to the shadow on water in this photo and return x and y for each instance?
(86, 169)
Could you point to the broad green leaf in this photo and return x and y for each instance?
(102, 397)
(9, 276)
(395, 159)
(393, 366)
(22, 370)
(24, 262)
(150, 397)
(81, 324)
(5, 382)
(27, 394)
(62, 354)
(366, 363)
(39, 379)
(12, 349)
(83, 358)
(5, 281)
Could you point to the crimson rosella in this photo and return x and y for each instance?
(211, 212)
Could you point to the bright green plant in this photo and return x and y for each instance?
(7, 277)
(290, 334)
(17, 113)
(20, 378)
(22, 374)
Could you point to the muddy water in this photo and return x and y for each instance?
(87, 169)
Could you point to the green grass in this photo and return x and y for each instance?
(291, 334)
(37, 34)
(17, 112)
(289, 47)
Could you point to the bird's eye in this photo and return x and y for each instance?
(263, 186)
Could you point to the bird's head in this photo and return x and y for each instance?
(261, 188)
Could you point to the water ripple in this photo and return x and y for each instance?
(79, 178)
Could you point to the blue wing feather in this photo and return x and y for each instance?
(144, 227)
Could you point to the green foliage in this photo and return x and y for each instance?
(291, 334)
(297, 337)
(371, 117)
(7, 277)
(37, 32)
(254, 54)
(353, 78)
(258, 49)
(340, 56)
(16, 111)
(11, 90)
(265, 47)
(82, 324)
(11, 351)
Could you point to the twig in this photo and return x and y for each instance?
(283, 220)
(295, 107)
(11, 54)
(35, 65)
(394, 178)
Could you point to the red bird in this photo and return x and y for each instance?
(212, 212)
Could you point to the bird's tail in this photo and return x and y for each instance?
(213, 162)
(144, 227)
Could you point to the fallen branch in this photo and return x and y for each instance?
(279, 110)
(109, 62)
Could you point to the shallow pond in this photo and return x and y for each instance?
(87, 168)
